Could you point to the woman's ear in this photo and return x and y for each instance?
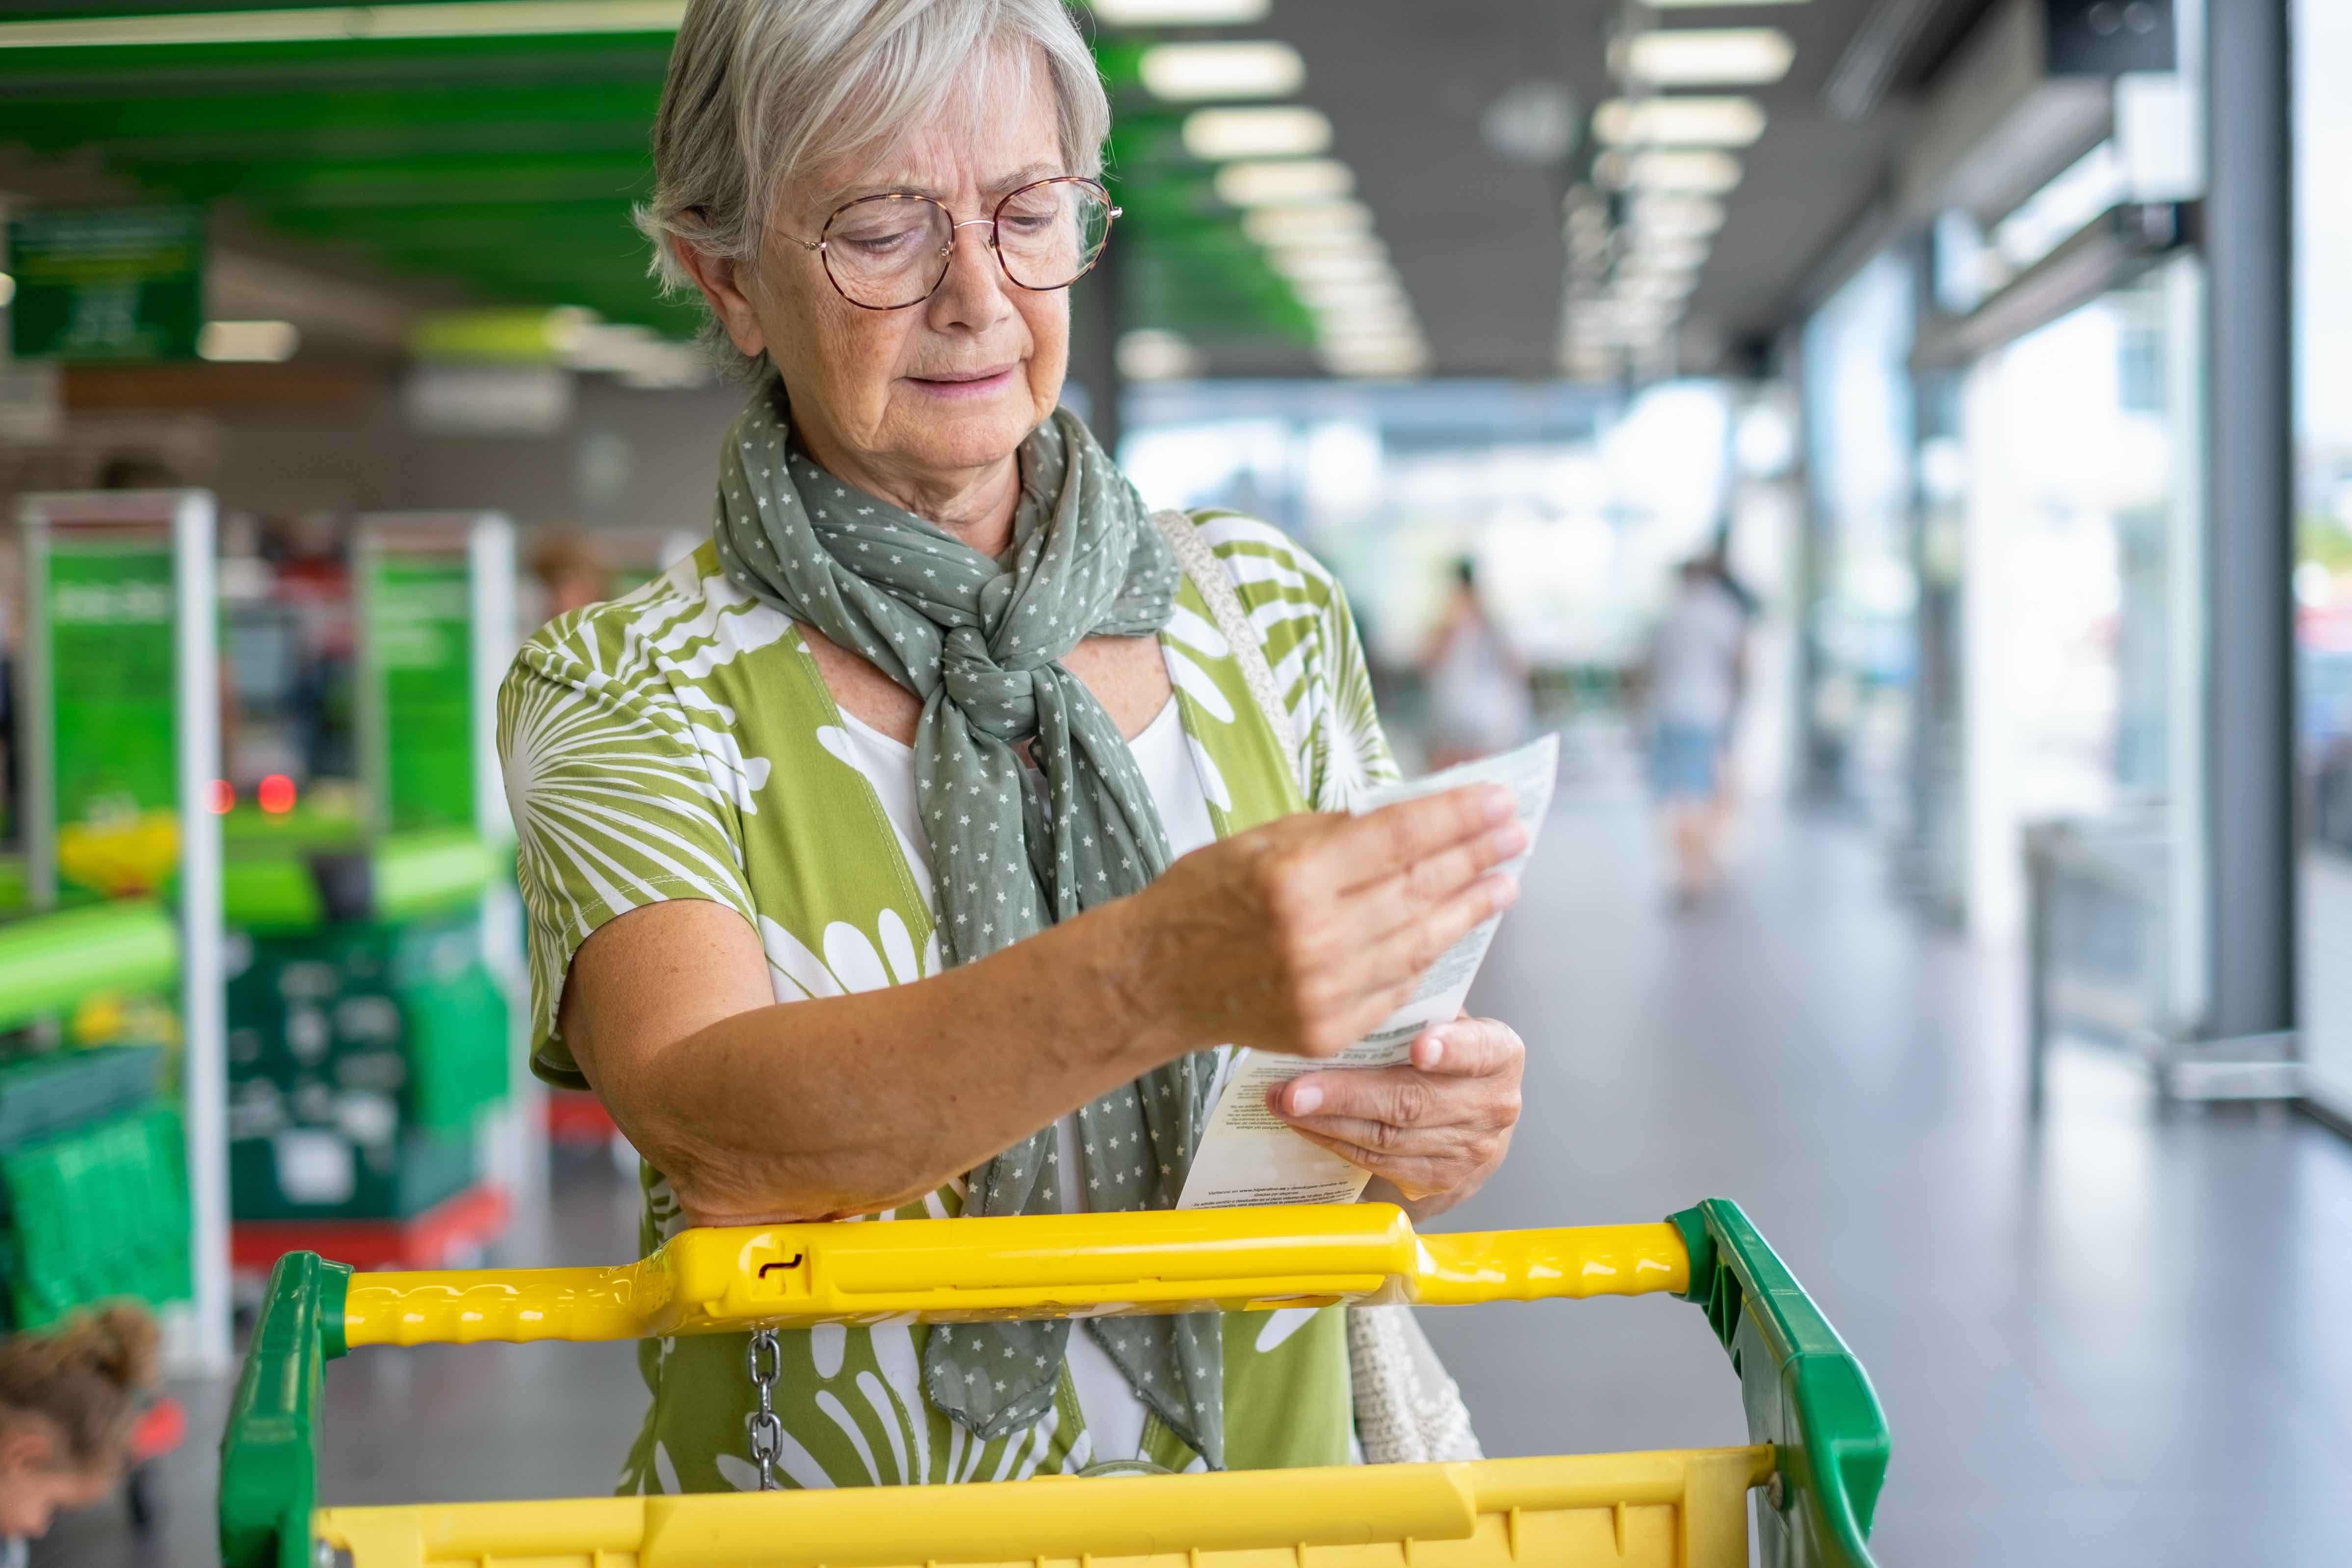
(721, 283)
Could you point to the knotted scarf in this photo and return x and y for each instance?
(980, 641)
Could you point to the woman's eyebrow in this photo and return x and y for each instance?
(1026, 176)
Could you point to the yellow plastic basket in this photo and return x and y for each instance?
(1818, 1447)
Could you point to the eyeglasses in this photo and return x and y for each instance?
(887, 252)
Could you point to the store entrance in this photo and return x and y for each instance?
(2067, 477)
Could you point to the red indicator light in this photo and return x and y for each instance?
(275, 795)
(224, 797)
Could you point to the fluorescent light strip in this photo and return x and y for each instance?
(1703, 57)
(1290, 131)
(1693, 171)
(1679, 122)
(1317, 248)
(488, 19)
(1336, 294)
(1331, 266)
(1181, 13)
(1191, 73)
(1280, 181)
(1315, 223)
(263, 343)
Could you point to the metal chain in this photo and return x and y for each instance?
(767, 1430)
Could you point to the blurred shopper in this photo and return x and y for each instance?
(1476, 681)
(914, 748)
(1697, 672)
(572, 570)
(68, 1401)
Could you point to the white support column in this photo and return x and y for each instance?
(204, 1001)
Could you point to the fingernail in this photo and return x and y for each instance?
(1304, 1099)
(1506, 840)
(1428, 1051)
(1506, 891)
(1500, 806)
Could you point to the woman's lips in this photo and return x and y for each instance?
(970, 384)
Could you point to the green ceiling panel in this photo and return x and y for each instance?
(510, 165)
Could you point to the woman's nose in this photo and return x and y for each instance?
(973, 277)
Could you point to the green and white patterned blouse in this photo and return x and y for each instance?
(681, 744)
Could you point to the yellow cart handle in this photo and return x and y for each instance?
(1030, 1265)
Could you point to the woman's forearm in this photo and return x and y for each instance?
(817, 1110)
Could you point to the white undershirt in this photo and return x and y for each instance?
(1114, 1413)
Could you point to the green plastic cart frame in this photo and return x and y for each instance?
(1817, 1442)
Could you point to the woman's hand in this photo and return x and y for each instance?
(1434, 1129)
(1302, 935)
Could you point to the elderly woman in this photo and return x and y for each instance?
(915, 848)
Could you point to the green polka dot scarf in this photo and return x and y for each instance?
(980, 641)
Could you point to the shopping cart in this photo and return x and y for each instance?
(1817, 1442)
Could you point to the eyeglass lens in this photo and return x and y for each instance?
(890, 250)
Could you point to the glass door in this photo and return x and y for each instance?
(2323, 573)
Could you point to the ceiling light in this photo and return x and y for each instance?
(1713, 5)
(1284, 180)
(1302, 225)
(1679, 122)
(1147, 353)
(1339, 294)
(1326, 245)
(1374, 319)
(265, 342)
(1707, 174)
(1386, 339)
(1331, 266)
(1675, 217)
(1181, 13)
(343, 24)
(1657, 286)
(1401, 359)
(1533, 123)
(1703, 57)
(1290, 130)
(1666, 256)
(1191, 73)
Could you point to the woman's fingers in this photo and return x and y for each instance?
(1377, 846)
(1423, 1168)
(1397, 958)
(1398, 900)
(1431, 1130)
(1469, 1048)
(1317, 927)
(1364, 981)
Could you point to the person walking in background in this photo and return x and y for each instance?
(1697, 672)
(1477, 682)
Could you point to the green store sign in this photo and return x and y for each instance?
(107, 283)
(419, 626)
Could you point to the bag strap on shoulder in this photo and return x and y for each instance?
(1216, 585)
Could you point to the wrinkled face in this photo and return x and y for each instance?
(950, 387)
(36, 1483)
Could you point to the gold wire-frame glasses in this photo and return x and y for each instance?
(889, 251)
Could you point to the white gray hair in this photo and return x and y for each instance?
(761, 91)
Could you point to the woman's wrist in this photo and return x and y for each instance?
(1140, 996)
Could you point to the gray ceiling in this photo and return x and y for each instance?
(1477, 239)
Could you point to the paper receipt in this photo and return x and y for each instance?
(1248, 1155)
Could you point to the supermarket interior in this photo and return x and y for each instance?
(1900, 450)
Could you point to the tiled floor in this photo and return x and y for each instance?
(2122, 1337)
